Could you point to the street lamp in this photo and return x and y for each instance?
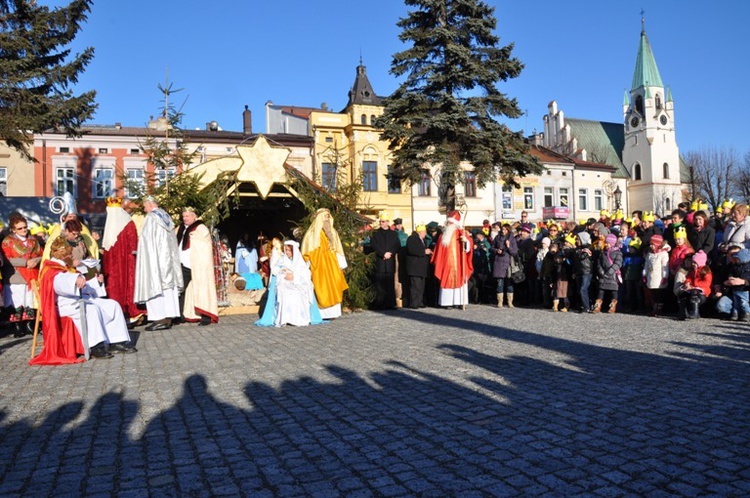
(618, 197)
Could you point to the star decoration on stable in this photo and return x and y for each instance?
(259, 163)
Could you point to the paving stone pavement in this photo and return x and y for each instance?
(482, 402)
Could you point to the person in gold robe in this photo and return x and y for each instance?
(322, 249)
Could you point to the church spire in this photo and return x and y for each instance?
(362, 92)
(646, 73)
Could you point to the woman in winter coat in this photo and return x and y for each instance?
(738, 230)
(608, 270)
(504, 248)
(701, 235)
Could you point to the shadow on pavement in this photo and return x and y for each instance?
(606, 422)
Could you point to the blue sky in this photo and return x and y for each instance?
(227, 54)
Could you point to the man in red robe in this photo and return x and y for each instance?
(62, 343)
(119, 244)
(452, 258)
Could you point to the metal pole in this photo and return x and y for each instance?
(84, 328)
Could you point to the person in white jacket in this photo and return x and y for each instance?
(294, 287)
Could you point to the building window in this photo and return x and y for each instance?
(665, 167)
(425, 184)
(372, 120)
(103, 150)
(102, 183)
(583, 199)
(636, 171)
(506, 197)
(528, 198)
(329, 177)
(549, 197)
(329, 140)
(135, 185)
(598, 199)
(639, 104)
(369, 176)
(394, 184)
(163, 175)
(64, 150)
(3, 181)
(564, 197)
(658, 101)
(363, 119)
(470, 184)
(65, 181)
(135, 152)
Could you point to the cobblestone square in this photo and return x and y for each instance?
(481, 402)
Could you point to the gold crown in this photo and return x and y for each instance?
(635, 243)
(629, 221)
(680, 233)
(113, 201)
(728, 203)
(605, 213)
(649, 216)
(570, 239)
(619, 214)
(699, 205)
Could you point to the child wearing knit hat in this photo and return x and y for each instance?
(608, 268)
(696, 287)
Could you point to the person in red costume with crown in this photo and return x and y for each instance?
(452, 258)
(119, 244)
(63, 291)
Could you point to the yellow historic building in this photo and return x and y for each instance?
(347, 147)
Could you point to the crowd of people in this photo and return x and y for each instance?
(687, 264)
(95, 289)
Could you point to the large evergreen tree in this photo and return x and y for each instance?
(445, 111)
(37, 70)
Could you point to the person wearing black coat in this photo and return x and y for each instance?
(385, 244)
(701, 235)
(417, 265)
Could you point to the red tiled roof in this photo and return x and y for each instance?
(546, 155)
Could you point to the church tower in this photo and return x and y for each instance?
(650, 153)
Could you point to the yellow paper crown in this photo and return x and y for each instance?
(649, 216)
(605, 214)
(619, 214)
(570, 239)
(421, 227)
(680, 233)
(552, 223)
(582, 222)
(384, 216)
(114, 201)
(698, 205)
(728, 203)
(629, 221)
(37, 229)
(635, 243)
